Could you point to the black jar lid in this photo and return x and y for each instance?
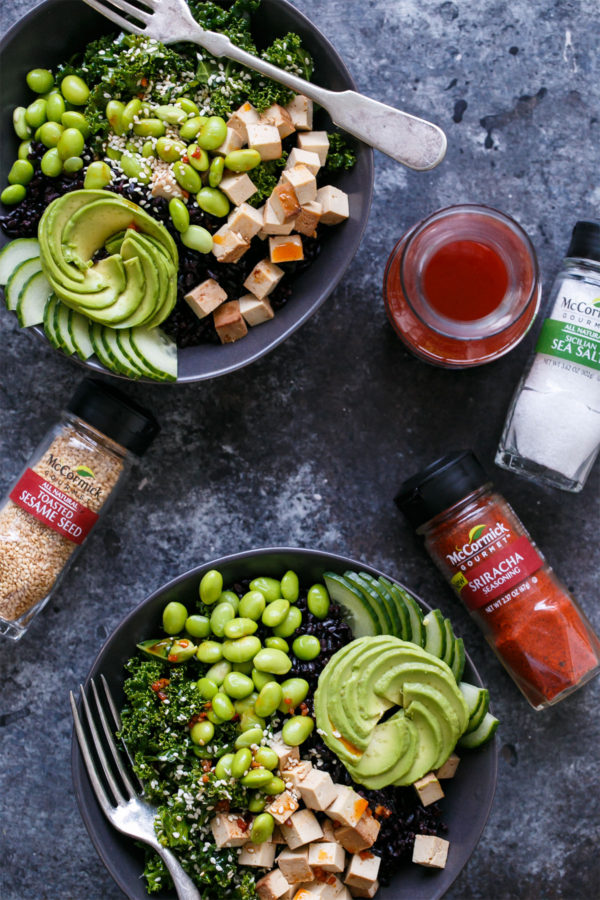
(108, 410)
(585, 240)
(440, 486)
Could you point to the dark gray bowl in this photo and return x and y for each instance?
(469, 795)
(58, 28)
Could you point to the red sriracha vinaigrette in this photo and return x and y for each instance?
(532, 623)
(462, 287)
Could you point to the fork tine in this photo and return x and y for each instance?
(112, 782)
(119, 725)
(137, 12)
(125, 24)
(97, 785)
(111, 743)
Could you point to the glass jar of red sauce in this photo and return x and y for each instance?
(527, 615)
(462, 287)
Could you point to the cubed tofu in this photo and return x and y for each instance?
(301, 112)
(205, 297)
(331, 857)
(305, 894)
(428, 789)
(348, 806)
(308, 218)
(448, 770)
(237, 188)
(362, 870)
(246, 221)
(293, 775)
(233, 141)
(264, 277)
(334, 203)
(284, 249)
(265, 139)
(241, 118)
(317, 788)
(430, 851)
(315, 142)
(227, 831)
(279, 117)
(294, 865)
(366, 892)
(277, 837)
(329, 830)
(228, 246)
(260, 856)
(302, 828)
(229, 322)
(255, 311)
(273, 886)
(331, 889)
(362, 836)
(304, 183)
(163, 182)
(273, 223)
(285, 754)
(299, 157)
(284, 202)
(281, 808)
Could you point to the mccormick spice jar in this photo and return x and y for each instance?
(527, 615)
(62, 493)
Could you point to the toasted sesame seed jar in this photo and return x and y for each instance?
(58, 498)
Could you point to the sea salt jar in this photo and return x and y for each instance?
(552, 431)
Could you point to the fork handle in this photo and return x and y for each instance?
(185, 887)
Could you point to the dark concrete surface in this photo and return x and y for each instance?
(308, 446)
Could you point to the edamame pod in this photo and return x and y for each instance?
(211, 586)
(297, 729)
(252, 605)
(237, 685)
(275, 613)
(40, 81)
(269, 699)
(292, 621)
(270, 588)
(21, 172)
(197, 238)
(223, 766)
(241, 650)
(97, 176)
(270, 660)
(242, 160)
(238, 628)
(197, 626)
(290, 586)
(180, 651)
(173, 617)
(221, 614)
(75, 90)
(241, 762)
(202, 732)
(262, 828)
(223, 707)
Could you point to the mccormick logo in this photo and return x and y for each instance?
(82, 476)
(479, 537)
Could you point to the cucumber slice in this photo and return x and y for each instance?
(79, 329)
(17, 280)
(49, 321)
(385, 623)
(448, 656)
(478, 701)
(401, 608)
(98, 345)
(32, 300)
(122, 363)
(458, 662)
(14, 254)
(387, 600)
(435, 633)
(358, 613)
(415, 614)
(157, 351)
(61, 328)
(481, 735)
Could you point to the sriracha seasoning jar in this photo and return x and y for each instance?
(462, 287)
(527, 615)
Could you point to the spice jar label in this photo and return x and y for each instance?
(498, 575)
(51, 506)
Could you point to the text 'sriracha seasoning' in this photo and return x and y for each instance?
(528, 616)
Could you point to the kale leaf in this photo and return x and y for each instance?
(340, 155)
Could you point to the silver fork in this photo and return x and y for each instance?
(120, 800)
(414, 142)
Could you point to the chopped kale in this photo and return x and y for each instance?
(340, 155)
(265, 177)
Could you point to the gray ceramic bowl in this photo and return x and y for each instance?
(58, 28)
(469, 795)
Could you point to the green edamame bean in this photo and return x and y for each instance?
(266, 757)
(24, 150)
(131, 112)
(269, 699)
(270, 588)
(40, 81)
(13, 194)
(257, 803)
(75, 90)
(173, 115)
(246, 705)
(277, 643)
(211, 586)
(51, 163)
(244, 667)
(212, 134)
(114, 113)
(181, 651)
(197, 626)
(219, 672)
(173, 617)
(290, 586)
(190, 129)
(197, 238)
(188, 106)
(113, 153)
(209, 652)
(241, 650)
(231, 598)
(242, 760)
(248, 738)
(149, 128)
(262, 828)
(275, 613)
(252, 605)
(55, 107)
(297, 729)
(237, 685)
(242, 160)
(50, 134)
(98, 175)
(73, 119)
(148, 150)
(22, 129)
(256, 778)
(306, 646)
(223, 707)
(133, 167)
(250, 720)
(270, 660)
(35, 114)
(292, 621)
(215, 171)
(214, 718)
(197, 158)
(274, 786)
(202, 732)
(318, 601)
(221, 614)
(223, 766)
(21, 172)
(207, 688)
(187, 177)
(262, 678)
(293, 692)
(238, 628)
(170, 150)
(73, 164)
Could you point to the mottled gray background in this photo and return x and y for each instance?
(307, 446)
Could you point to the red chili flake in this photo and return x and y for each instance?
(185, 158)
(205, 779)
(206, 765)
(134, 227)
(208, 705)
(303, 709)
(288, 822)
(144, 81)
(287, 700)
(222, 806)
(197, 153)
(161, 695)
(255, 765)
(158, 685)
(382, 812)
(242, 824)
(319, 873)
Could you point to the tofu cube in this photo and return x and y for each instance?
(317, 788)
(273, 223)
(163, 182)
(363, 870)
(305, 894)
(308, 218)
(428, 789)
(277, 837)
(304, 183)
(205, 297)
(306, 158)
(284, 202)
(285, 753)
(430, 851)
(273, 886)
(315, 142)
(334, 205)
(246, 221)
(294, 865)
(227, 831)
(237, 188)
(229, 323)
(301, 112)
(261, 856)
(279, 117)
(286, 249)
(255, 311)
(331, 889)
(295, 774)
(361, 837)
(263, 278)
(233, 141)
(330, 857)
(348, 806)
(302, 828)
(281, 808)
(329, 830)
(448, 770)
(228, 246)
(241, 118)
(366, 892)
(265, 139)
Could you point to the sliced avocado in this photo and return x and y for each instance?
(135, 248)
(387, 600)
(168, 289)
(401, 609)
(430, 671)
(445, 715)
(372, 597)
(406, 738)
(429, 746)
(388, 743)
(114, 278)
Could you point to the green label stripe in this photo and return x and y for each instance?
(567, 341)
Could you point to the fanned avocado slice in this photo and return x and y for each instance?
(135, 247)
(429, 745)
(429, 671)
(446, 717)
(114, 277)
(127, 301)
